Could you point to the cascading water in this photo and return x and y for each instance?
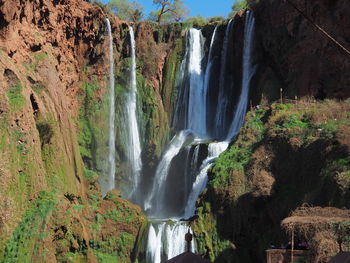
(191, 107)
(166, 240)
(214, 150)
(109, 183)
(133, 136)
(196, 120)
(248, 72)
(153, 203)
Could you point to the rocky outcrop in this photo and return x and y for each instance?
(297, 57)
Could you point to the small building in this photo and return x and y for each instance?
(325, 228)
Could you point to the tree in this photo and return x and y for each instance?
(216, 19)
(196, 21)
(239, 5)
(169, 11)
(127, 10)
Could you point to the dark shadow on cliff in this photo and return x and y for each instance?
(252, 222)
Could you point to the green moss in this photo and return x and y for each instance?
(24, 242)
(90, 176)
(15, 97)
(86, 138)
(171, 69)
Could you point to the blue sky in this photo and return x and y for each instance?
(206, 8)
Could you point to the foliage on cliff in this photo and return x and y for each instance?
(284, 156)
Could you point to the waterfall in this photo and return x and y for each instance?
(214, 150)
(166, 240)
(154, 243)
(153, 203)
(196, 120)
(191, 104)
(248, 72)
(110, 183)
(133, 137)
(220, 118)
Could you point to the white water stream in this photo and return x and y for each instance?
(133, 136)
(166, 240)
(109, 183)
(153, 203)
(248, 71)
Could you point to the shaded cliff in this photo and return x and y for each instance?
(295, 55)
(284, 156)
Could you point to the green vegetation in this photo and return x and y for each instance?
(238, 155)
(209, 241)
(196, 21)
(24, 243)
(92, 122)
(239, 5)
(126, 9)
(169, 11)
(15, 96)
(267, 172)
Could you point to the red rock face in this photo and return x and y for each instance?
(296, 56)
(67, 30)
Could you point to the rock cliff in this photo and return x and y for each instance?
(293, 54)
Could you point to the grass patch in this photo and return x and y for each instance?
(15, 96)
